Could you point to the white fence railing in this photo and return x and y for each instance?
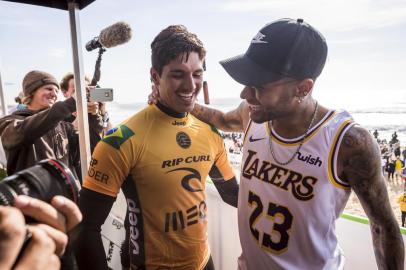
(354, 236)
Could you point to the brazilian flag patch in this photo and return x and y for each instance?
(117, 136)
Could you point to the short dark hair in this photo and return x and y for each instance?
(172, 42)
(64, 84)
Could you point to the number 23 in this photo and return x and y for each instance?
(281, 229)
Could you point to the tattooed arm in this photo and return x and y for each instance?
(359, 164)
(235, 120)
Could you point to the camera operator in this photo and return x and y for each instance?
(68, 89)
(48, 237)
(41, 131)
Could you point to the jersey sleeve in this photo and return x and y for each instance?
(221, 162)
(111, 162)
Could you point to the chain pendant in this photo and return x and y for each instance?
(301, 141)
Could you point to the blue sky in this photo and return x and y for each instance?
(367, 39)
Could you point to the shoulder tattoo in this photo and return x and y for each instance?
(361, 154)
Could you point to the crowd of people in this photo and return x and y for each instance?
(161, 156)
(236, 141)
(393, 160)
(393, 157)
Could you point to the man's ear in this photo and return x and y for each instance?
(154, 76)
(304, 87)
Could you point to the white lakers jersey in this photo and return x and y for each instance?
(287, 213)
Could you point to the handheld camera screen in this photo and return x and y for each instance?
(101, 95)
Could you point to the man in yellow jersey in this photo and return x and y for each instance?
(402, 205)
(161, 157)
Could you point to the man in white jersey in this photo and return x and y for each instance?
(301, 160)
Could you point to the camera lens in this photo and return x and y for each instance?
(42, 181)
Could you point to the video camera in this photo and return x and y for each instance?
(100, 94)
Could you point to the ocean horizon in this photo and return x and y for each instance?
(386, 119)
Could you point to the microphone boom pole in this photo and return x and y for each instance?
(96, 74)
(111, 36)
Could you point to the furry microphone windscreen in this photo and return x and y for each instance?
(115, 34)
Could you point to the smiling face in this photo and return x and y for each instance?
(44, 97)
(270, 101)
(180, 82)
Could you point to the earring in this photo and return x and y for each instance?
(305, 93)
(299, 99)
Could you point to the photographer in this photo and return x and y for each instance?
(41, 131)
(68, 90)
(48, 237)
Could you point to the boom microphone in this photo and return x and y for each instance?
(111, 36)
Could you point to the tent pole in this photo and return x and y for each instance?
(2, 99)
(81, 103)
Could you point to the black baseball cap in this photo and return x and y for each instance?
(283, 48)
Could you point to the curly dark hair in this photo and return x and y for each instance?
(172, 42)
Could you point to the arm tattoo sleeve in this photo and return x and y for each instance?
(359, 158)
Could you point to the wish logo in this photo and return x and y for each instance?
(309, 159)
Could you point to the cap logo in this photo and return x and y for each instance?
(258, 38)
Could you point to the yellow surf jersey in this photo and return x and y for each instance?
(166, 160)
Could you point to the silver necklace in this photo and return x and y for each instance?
(301, 142)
